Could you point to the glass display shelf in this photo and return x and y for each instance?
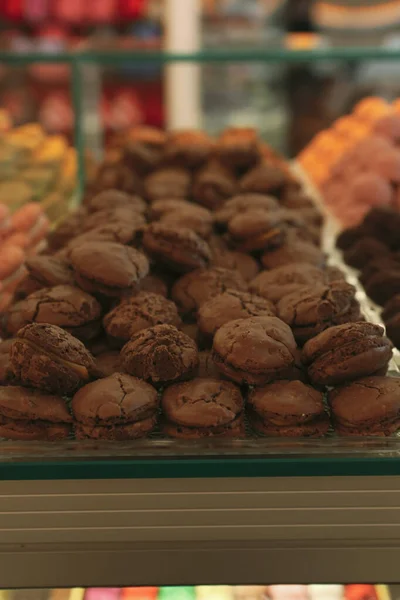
(162, 458)
(224, 55)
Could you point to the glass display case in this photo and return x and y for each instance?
(161, 512)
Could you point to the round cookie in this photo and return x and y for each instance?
(256, 350)
(139, 312)
(178, 248)
(195, 288)
(229, 306)
(277, 283)
(294, 251)
(160, 354)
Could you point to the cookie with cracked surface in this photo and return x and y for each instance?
(116, 433)
(346, 352)
(69, 227)
(6, 372)
(163, 207)
(160, 354)
(368, 406)
(180, 249)
(190, 148)
(193, 217)
(144, 148)
(293, 251)
(50, 359)
(277, 283)
(139, 312)
(65, 306)
(201, 408)
(288, 409)
(313, 308)
(264, 179)
(255, 351)
(213, 185)
(195, 288)
(49, 271)
(108, 268)
(229, 306)
(105, 217)
(238, 147)
(257, 229)
(242, 204)
(27, 414)
(169, 182)
(115, 199)
(245, 264)
(115, 400)
(361, 252)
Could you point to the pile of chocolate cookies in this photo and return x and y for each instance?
(373, 247)
(189, 293)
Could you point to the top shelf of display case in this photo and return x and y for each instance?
(220, 55)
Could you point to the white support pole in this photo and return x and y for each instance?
(182, 80)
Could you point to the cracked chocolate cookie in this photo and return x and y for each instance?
(293, 251)
(256, 350)
(245, 264)
(180, 249)
(137, 313)
(6, 372)
(229, 306)
(108, 268)
(160, 354)
(243, 203)
(289, 409)
(264, 179)
(257, 229)
(313, 308)
(195, 288)
(277, 283)
(27, 414)
(188, 148)
(115, 199)
(347, 352)
(65, 306)
(192, 217)
(213, 185)
(169, 182)
(368, 406)
(50, 359)
(238, 147)
(49, 271)
(144, 148)
(203, 408)
(118, 407)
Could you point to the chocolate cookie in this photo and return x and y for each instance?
(167, 183)
(117, 407)
(229, 306)
(347, 352)
(245, 264)
(213, 185)
(238, 148)
(153, 284)
(256, 350)
(195, 288)
(393, 329)
(293, 252)
(50, 359)
(242, 204)
(163, 207)
(144, 148)
(207, 368)
(257, 229)
(369, 406)
(64, 305)
(107, 364)
(180, 249)
(107, 268)
(263, 179)
(27, 414)
(49, 271)
(289, 409)
(116, 199)
(6, 372)
(278, 283)
(69, 227)
(383, 285)
(311, 309)
(137, 313)
(364, 250)
(201, 408)
(115, 216)
(188, 148)
(195, 218)
(160, 354)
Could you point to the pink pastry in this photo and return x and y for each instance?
(388, 127)
(387, 164)
(288, 592)
(370, 189)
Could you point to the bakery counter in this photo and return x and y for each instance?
(174, 512)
